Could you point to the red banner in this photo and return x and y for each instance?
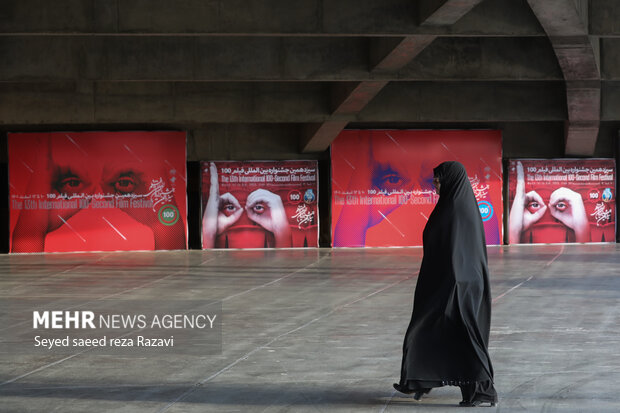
(382, 190)
(97, 191)
(562, 200)
(267, 204)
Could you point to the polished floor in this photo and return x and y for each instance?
(313, 331)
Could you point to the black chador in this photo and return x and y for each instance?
(447, 339)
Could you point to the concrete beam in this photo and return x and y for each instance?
(32, 103)
(391, 56)
(318, 137)
(253, 17)
(610, 101)
(349, 105)
(583, 101)
(561, 17)
(195, 58)
(436, 102)
(358, 97)
(400, 53)
(353, 100)
(566, 24)
(577, 56)
(610, 65)
(604, 17)
(216, 141)
(191, 103)
(444, 12)
(579, 138)
(483, 59)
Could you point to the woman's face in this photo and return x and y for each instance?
(436, 184)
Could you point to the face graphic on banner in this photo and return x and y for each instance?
(89, 175)
(564, 205)
(384, 188)
(378, 169)
(262, 207)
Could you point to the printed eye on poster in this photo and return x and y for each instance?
(97, 191)
(259, 204)
(382, 183)
(562, 201)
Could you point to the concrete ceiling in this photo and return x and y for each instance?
(317, 65)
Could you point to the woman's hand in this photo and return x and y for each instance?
(220, 213)
(526, 210)
(567, 207)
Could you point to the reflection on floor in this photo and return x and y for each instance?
(304, 330)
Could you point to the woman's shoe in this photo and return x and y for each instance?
(402, 389)
(419, 393)
(476, 403)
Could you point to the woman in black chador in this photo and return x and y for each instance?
(448, 336)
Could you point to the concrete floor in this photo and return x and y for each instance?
(315, 330)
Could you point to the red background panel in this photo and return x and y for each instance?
(113, 183)
(400, 163)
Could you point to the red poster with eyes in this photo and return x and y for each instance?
(97, 191)
(382, 183)
(562, 201)
(260, 204)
